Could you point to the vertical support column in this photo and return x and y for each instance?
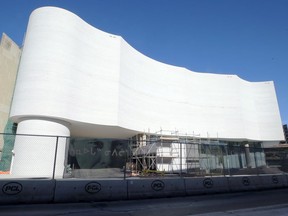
(35, 152)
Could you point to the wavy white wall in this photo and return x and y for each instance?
(103, 87)
(66, 68)
(159, 95)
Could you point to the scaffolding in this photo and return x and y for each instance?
(166, 152)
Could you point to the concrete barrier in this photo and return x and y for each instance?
(206, 185)
(77, 190)
(155, 188)
(16, 191)
(244, 183)
(272, 181)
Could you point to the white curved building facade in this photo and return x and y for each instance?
(76, 80)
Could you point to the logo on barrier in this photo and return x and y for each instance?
(157, 185)
(275, 180)
(12, 188)
(246, 181)
(208, 183)
(92, 187)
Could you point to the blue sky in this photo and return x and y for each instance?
(244, 37)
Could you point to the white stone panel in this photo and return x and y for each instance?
(103, 87)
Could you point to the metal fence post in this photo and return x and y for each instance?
(125, 165)
(181, 159)
(55, 157)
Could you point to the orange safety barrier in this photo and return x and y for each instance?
(4, 172)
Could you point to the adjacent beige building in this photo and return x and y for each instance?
(9, 60)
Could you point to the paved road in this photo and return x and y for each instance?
(264, 203)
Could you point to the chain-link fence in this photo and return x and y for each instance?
(200, 158)
(33, 155)
(71, 157)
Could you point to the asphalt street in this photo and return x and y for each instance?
(264, 203)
